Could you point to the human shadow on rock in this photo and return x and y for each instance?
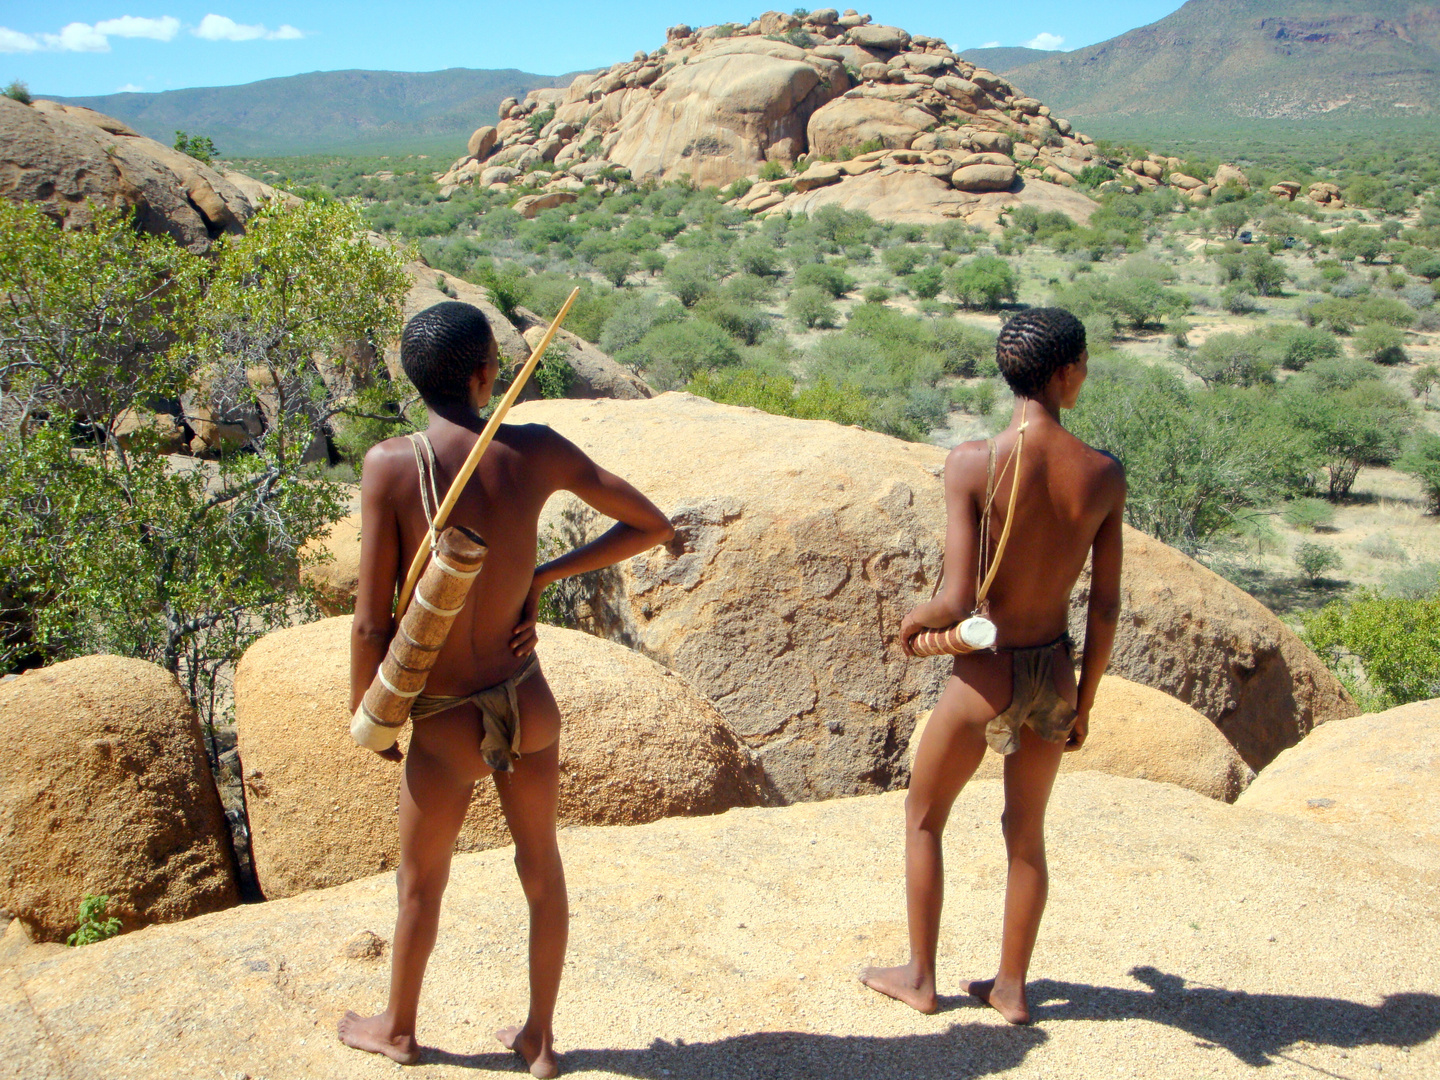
(961, 1052)
(1253, 1027)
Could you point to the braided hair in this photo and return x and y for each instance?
(440, 349)
(1035, 344)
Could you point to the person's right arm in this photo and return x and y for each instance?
(639, 526)
(1104, 611)
(374, 623)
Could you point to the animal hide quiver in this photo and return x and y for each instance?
(457, 558)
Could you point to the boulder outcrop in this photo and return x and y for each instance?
(1187, 631)
(1183, 938)
(800, 544)
(66, 159)
(105, 789)
(638, 743)
(1139, 732)
(1370, 778)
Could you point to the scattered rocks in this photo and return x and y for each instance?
(106, 790)
(638, 744)
(1286, 189)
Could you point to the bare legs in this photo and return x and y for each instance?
(950, 751)
(440, 770)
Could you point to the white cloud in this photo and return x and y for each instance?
(990, 45)
(1046, 41)
(221, 28)
(83, 37)
(77, 37)
(130, 88)
(129, 26)
(12, 41)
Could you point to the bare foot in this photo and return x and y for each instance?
(373, 1033)
(537, 1051)
(902, 984)
(1009, 1003)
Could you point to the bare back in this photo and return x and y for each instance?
(502, 502)
(1067, 493)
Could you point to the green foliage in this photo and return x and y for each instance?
(927, 282)
(616, 266)
(1350, 417)
(1296, 347)
(1315, 559)
(554, 375)
(1380, 344)
(690, 275)
(1397, 640)
(1194, 459)
(826, 277)
(105, 546)
(1308, 514)
(633, 317)
(904, 258)
(743, 321)
(772, 171)
(673, 353)
(812, 307)
(1229, 218)
(18, 91)
(824, 400)
(1424, 379)
(1357, 242)
(198, 147)
(1230, 360)
(983, 282)
(1137, 302)
(978, 398)
(507, 289)
(95, 922)
(1422, 461)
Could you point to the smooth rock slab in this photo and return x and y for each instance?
(1185, 938)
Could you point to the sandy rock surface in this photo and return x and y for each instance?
(105, 789)
(1373, 779)
(638, 744)
(64, 157)
(1185, 938)
(1187, 631)
(1147, 735)
(904, 195)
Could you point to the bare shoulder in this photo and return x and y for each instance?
(386, 462)
(1101, 468)
(966, 462)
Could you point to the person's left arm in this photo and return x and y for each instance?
(956, 598)
(374, 622)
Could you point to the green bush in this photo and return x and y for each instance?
(840, 403)
(1296, 347)
(978, 398)
(744, 322)
(1230, 360)
(18, 91)
(1137, 302)
(1397, 640)
(904, 259)
(755, 256)
(1307, 514)
(672, 354)
(1380, 344)
(875, 294)
(554, 375)
(772, 171)
(689, 276)
(198, 147)
(983, 282)
(811, 307)
(616, 266)
(1350, 420)
(633, 317)
(1315, 559)
(927, 282)
(831, 279)
(95, 922)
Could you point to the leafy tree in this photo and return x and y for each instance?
(811, 306)
(1381, 344)
(18, 91)
(824, 400)
(105, 546)
(1397, 640)
(689, 276)
(1424, 380)
(1138, 302)
(1422, 461)
(832, 279)
(673, 353)
(983, 282)
(1357, 242)
(744, 322)
(903, 259)
(616, 266)
(926, 283)
(1349, 424)
(198, 147)
(1296, 347)
(1309, 514)
(1230, 360)
(755, 256)
(1229, 218)
(634, 316)
(1315, 559)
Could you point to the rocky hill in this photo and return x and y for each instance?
(1356, 61)
(878, 117)
(326, 111)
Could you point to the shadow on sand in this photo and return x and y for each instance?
(1254, 1027)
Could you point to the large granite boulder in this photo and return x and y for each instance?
(67, 159)
(847, 122)
(105, 789)
(1371, 778)
(898, 194)
(638, 743)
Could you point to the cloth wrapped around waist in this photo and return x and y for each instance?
(499, 707)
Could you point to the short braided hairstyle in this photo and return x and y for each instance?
(441, 347)
(1035, 344)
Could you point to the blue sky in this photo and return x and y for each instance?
(78, 48)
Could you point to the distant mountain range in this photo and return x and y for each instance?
(1355, 62)
(328, 111)
(1004, 58)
